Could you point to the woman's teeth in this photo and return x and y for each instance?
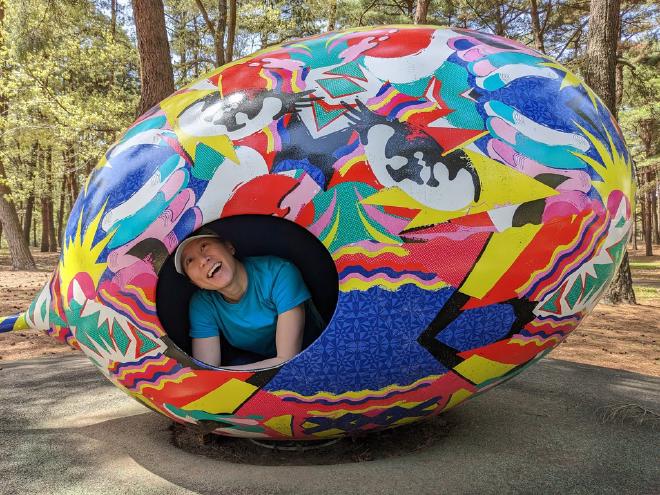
(214, 269)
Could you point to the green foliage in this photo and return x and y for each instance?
(72, 87)
(72, 79)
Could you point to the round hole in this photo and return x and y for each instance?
(251, 235)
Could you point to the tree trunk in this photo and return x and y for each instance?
(216, 29)
(113, 18)
(621, 288)
(648, 216)
(156, 75)
(196, 51)
(21, 258)
(231, 31)
(332, 17)
(600, 66)
(52, 237)
(654, 204)
(536, 26)
(60, 210)
(27, 220)
(33, 162)
(634, 235)
(600, 75)
(499, 21)
(619, 85)
(44, 225)
(421, 11)
(50, 186)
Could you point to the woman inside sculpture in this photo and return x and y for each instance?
(260, 305)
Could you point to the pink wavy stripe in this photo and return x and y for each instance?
(300, 196)
(400, 98)
(277, 141)
(127, 273)
(371, 246)
(173, 184)
(485, 50)
(243, 421)
(282, 63)
(460, 234)
(577, 180)
(393, 225)
(567, 204)
(377, 99)
(387, 278)
(418, 107)
(353, 52)
(160, 228)
(350, 36)
(344, 159)
(324, 220)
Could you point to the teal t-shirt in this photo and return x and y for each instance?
(274, 287)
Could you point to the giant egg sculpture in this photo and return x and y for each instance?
(473, 194)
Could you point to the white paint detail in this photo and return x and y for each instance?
(227, 178)
(151, 136)
(449, 195)
(196, 122)
(541, 133)
(43, 299)
(502, 217)
(511, 72)
(417, 66)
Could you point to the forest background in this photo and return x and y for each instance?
(73, 76)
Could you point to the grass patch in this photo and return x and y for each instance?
(643, 292)
(645, 266)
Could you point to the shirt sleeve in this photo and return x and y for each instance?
(289, 289)
(202, 322)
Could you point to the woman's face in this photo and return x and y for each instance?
(210, 263)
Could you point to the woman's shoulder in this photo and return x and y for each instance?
(267, 263)
(201, 296)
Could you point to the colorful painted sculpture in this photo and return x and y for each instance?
(474, 195)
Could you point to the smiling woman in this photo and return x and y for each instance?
(247, 308)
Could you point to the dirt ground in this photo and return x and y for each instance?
(622, 337)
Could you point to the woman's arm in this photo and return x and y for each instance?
(288, 339)
(207, 350)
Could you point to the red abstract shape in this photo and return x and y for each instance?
(261, 196)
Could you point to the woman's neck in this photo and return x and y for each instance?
(238, 287)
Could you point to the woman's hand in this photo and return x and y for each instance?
(288, 340)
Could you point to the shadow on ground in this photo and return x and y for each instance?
(559, 427)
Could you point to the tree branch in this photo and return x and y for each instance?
(205, 15)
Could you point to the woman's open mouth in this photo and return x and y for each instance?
(216, 266)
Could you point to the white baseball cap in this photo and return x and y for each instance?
(178, 265)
